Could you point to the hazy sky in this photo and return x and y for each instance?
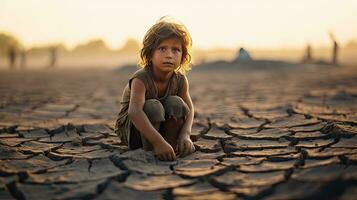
(212, 23)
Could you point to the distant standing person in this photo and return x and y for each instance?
(12, 56)
(23, 59)
(308, 55)
(53, 57)
(334, 50)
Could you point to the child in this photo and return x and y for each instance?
(156, 108)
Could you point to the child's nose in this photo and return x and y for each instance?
(169, 54)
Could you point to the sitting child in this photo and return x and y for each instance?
(156, 108)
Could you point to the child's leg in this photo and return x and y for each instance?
(176, 111)
(156, 114)
(171, 130)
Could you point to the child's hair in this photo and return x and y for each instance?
(164, 29)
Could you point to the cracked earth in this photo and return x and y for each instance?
(287, 133)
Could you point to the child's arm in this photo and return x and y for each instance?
(184, 142)
(162, 149)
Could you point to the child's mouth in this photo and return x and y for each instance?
(168, 63)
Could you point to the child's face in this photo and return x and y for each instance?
(167, 55)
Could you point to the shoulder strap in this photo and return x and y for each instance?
(144, 75)
(140, 74)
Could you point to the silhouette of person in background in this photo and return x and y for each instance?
(334, 49)
(12, 56)
(53, 57)
(23, 58)
(308, 55)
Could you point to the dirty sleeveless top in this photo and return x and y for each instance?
(123, 123)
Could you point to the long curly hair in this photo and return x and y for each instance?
(164, 29)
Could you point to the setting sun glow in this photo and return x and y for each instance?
(254, 24)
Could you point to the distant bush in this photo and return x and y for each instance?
(7, 41)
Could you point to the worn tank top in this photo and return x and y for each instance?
(145, 75)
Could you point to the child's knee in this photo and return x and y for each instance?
(175, 107)
(154, 111)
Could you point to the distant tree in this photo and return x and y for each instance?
(10, 47)
(8, 41)
(93, 46)
(44, 49)
(131, 46)
(351, 44)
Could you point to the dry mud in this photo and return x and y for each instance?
(286, 133)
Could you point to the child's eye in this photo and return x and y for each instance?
(161, 48)
(176, 50)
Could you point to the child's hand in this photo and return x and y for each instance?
(164, 151)
(185, 145)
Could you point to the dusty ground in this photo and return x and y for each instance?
(263, 133)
